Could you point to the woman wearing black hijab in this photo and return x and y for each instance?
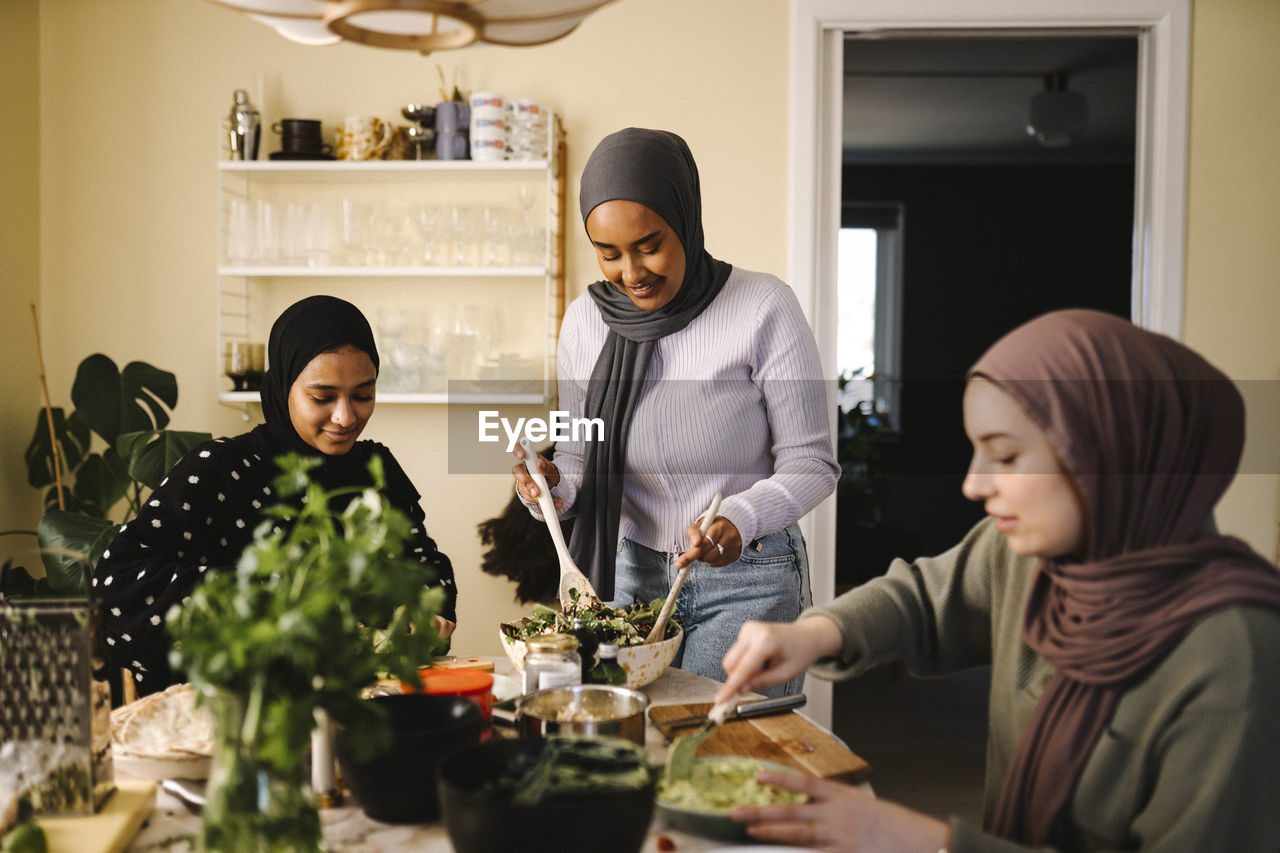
(707, 378)
(317, 396)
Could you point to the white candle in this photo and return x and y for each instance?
(323, 781)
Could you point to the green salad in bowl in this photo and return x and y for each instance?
(627, 627)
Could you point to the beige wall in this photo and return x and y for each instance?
(1233, 255)
(132, 93)
(130, 96)
(19, 273)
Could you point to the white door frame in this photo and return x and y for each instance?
(1160, 168)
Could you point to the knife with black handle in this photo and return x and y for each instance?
(745, 709)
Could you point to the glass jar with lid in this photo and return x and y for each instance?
(551, 660)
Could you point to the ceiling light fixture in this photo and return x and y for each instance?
(1056, 116)
(421, 25)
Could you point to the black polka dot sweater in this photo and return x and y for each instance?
(199, 520)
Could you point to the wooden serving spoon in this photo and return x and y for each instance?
(570, 577)
(660, 626)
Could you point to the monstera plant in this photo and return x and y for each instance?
(129, 411)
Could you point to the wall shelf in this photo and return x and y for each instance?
(478, 302)
(380, 272)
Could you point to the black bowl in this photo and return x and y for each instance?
(602, 817)
(398, 785)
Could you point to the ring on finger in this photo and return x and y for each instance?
(713, 542)
(720, 548)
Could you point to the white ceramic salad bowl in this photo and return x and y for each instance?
(642, 664)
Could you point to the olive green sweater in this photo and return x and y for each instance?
(1190, 762)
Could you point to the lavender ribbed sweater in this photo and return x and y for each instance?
(738, 403)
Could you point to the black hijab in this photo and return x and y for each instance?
(656, 169)
(306, 329)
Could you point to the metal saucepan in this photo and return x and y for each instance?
(584, 710)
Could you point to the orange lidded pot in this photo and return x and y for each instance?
(469, 683)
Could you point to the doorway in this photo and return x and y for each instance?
(1009, 159)
(817, 30)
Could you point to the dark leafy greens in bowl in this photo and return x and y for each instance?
(574, 795)
(625, 626)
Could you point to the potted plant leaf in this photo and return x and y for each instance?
(866, 475)
(129, 411)
(319, 606)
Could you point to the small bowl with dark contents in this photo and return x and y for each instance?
(570, 794)
(398, 783)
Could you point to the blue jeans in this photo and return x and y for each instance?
(769, 582)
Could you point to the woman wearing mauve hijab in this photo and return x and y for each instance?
(317, 397)
(1134, 674)
(707, 379)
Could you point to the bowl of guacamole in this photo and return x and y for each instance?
(702, 803)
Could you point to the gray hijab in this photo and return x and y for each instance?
(656, 169)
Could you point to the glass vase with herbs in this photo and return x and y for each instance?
(320, 606)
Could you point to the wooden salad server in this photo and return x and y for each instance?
(570, 577)
(659, 626)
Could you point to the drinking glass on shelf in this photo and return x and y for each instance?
(293, 235)
(243, 363)
(462, 227)
(435, 351)
(390, 338)
(495, 245)
(465, 345)
(242, 232)
(355, 224)
(435, 240)
(381, 237)
(268, 233)
(525, 198)
(257, 366)
(531, 246)
(322, 227)
(409, 243)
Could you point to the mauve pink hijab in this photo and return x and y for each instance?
(1151, 433)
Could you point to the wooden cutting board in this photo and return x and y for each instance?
(788, 738)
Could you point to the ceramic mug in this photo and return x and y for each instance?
(527, 112)
(402, 146)
(488, 124)
(488, 105)
(363, 138)
(487, 146)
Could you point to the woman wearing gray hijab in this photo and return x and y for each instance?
(707, 378)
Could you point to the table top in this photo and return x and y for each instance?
(346, 828)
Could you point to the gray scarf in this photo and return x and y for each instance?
(656, 169)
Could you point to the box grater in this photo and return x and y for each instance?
(55, 704)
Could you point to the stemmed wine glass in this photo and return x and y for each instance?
(526, 202)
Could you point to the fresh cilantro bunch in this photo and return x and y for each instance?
(319, 606)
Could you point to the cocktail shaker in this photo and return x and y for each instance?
(244, 126)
